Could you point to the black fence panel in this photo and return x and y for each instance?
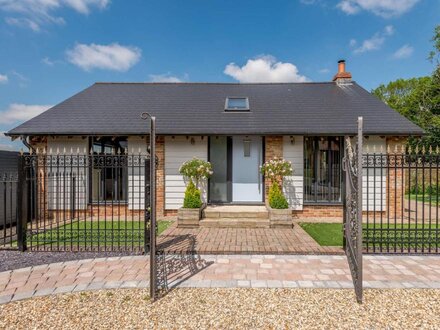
(8, 210)
(401, 202)
(85, 202)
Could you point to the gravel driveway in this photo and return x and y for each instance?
(228, 309)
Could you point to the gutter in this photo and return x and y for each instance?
(26, 143)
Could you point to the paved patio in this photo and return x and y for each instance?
(257, 271)
(241, 241)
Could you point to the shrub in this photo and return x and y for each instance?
(275, 169)
(276, 197)
(196, 169)
(192, 198)
(431, 189)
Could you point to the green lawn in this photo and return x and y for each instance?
(330, 234)
(91, 233)
(423, 198)
(325, 234)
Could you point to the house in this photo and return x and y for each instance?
(235, 126)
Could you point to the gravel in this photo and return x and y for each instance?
(228, 309)
(10, 260)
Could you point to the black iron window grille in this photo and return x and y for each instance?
(108, 179)
(322, 169)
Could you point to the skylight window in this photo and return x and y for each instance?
(237, 104)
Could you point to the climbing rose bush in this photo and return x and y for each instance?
(196, 169)
(277, 168)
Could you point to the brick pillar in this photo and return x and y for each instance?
(395, 180)
(160, 176)
(42, 211)
(273, 148)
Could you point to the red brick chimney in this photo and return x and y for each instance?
(342, 77)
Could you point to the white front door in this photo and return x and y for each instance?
(247, 181)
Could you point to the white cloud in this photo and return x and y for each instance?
(7, 144)
(166, 78)
(48, 61)
(33, 14)
(109, 57)
(383, 8)
(23, 22)
(325, 70)
(264, 69)
(403, 52)
(17, 112)
(3, 79)
(375, 42)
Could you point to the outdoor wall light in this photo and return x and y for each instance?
(193, 141)
(292, 140)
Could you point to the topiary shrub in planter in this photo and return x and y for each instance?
(194, 171)
(193, 199)
(279, 213)
(276, 197)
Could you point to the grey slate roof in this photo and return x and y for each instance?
(198, 108)
(8, 162)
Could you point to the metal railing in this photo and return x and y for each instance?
(401, 201)
(8, 210)
(83, 202)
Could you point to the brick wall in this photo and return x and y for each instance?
(273, 148)
(395, 181)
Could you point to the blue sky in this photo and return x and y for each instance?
(51, 49)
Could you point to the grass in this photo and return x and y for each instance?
(403, 236)
(325, 234)
(423, 198)
(94, 233)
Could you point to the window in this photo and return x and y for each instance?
(237, 104)
(108, 174)
(322, 169)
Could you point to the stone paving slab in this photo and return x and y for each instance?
(241, 241)
(219, 271)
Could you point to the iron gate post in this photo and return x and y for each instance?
(352, 166)
(360, 206)
(22, 203)
(153, 259)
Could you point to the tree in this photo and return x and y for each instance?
(418, 99)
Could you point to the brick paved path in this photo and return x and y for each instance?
(220, 271)
(242, 241)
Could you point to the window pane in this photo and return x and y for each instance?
(218, 183)
(322, 169)
(109, 179)
(237, 104)
(309, 169)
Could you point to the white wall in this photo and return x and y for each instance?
(293, 186)
(178, 150)
(371, 178)
(137, 150)
(67, 181)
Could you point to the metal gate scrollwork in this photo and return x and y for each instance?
(352, 165)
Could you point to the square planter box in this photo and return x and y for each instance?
(188, 218)
(280, 218)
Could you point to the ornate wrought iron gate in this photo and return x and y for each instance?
(352, 165)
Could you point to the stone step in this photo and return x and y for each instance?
(234, 223)
(236, 212)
